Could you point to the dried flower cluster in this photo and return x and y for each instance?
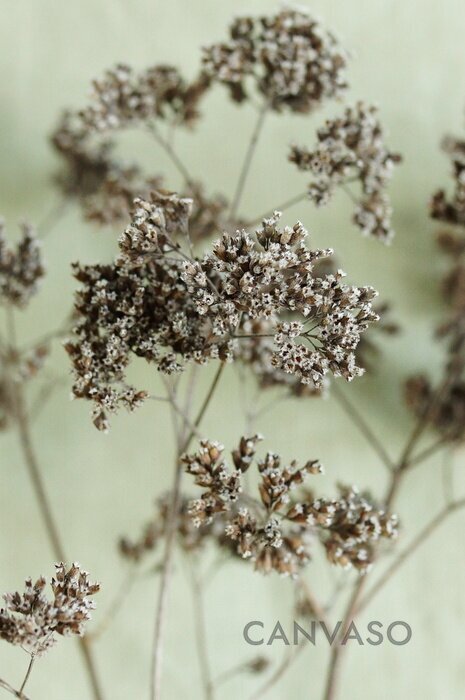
(452, 211)
(155, 304)
(351, 149)
(289, 58)
(269, 276)
(275, 532)
(441, 405)
(21, 268)
(124, 97)
(31, 620)
(352, 524)
(442, 408)
(86, 164)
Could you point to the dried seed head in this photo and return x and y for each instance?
(288, 58)
(124, 97)
(31, 620)
(351, 148)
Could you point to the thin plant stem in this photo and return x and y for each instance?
(160, 618)
(359, 421)
(201, 632)
(393, 488)
(26, 677)
(422, 536)
(171, 153)
(317, 609)
(53, 217)
(122, 594)
(9, 688)
(282, 207)
(248, 161)
(336, 655)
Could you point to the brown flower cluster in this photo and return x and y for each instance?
(452, 211)
(351, 149)
(289, 58)
(275, 532)
(351, 526)
(317, 321)
(31, 620)
(21, 268)
(155, 304)
(124, 97)
(139, 306)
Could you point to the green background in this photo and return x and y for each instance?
(409, 57)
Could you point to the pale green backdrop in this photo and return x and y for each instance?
(409, 57)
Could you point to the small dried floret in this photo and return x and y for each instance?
(222, 486)
(289, 58)
(271, 275)
(351, 148)
(156, 304)
(124, 97)
(21, 268)
(31, 620)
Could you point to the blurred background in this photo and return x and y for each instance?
(409, 58)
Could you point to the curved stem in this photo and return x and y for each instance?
(157, 649)
(422, 536)
(201, 633)
(248, 161)
(359, 421)
(26, 677)
(282, 207)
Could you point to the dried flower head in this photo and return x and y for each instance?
(452, 211)
(32, 621)
(139, 306)
(317, 321)
(352, 149)
(124, 97)
(275, 531)
(349, 526)
(20, 268)
(289, 58)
